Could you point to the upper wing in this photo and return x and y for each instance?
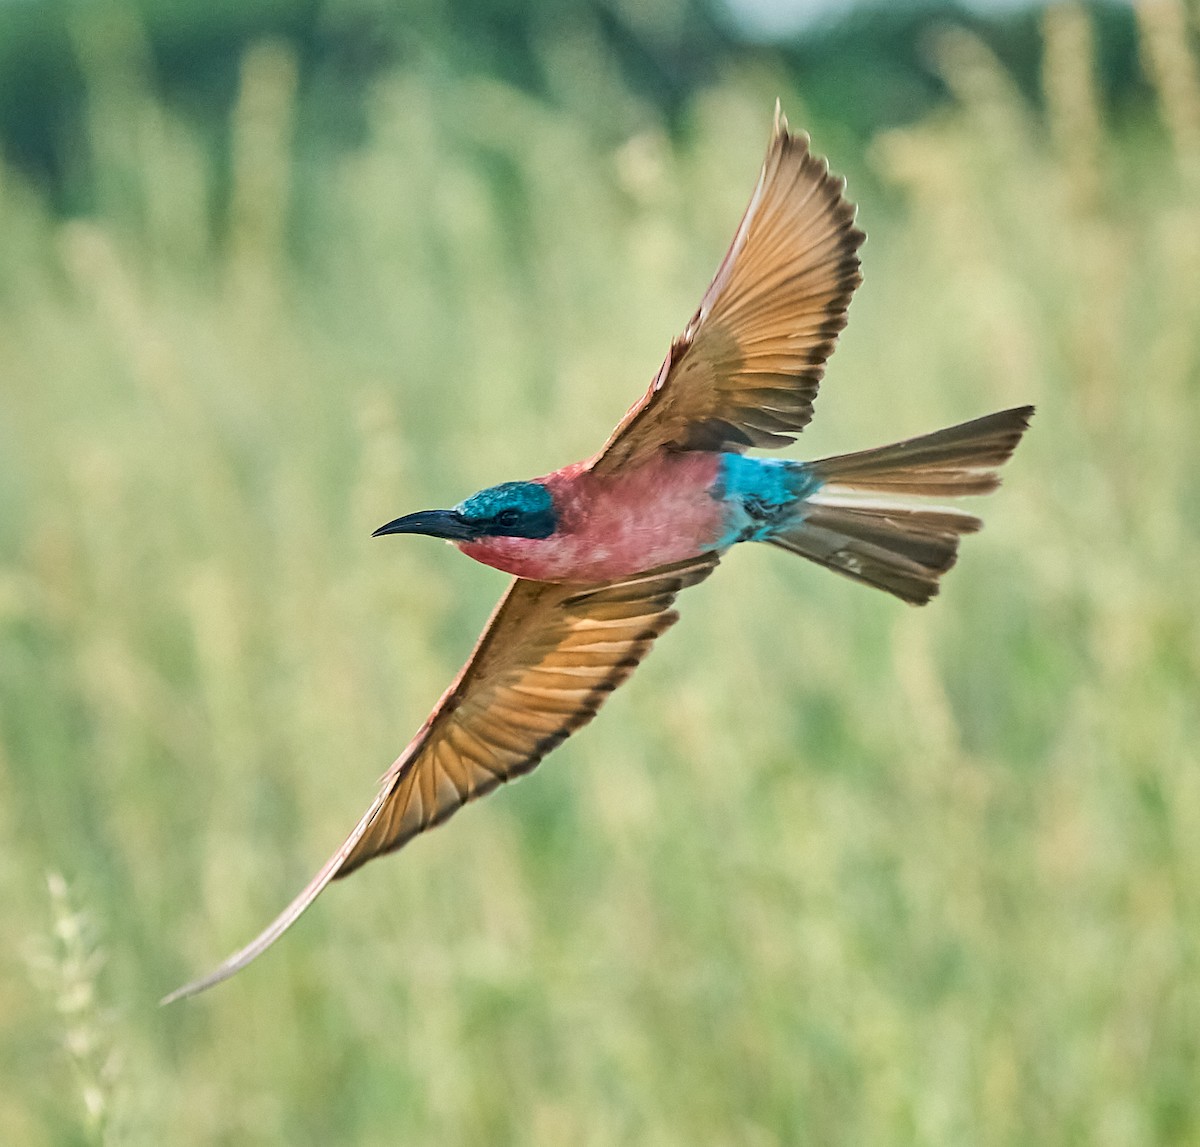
(746, 369)
(546, 661)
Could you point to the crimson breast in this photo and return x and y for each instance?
(617, 524)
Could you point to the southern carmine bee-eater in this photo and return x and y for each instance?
(600, 548)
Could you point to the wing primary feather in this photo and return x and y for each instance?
(285, 919)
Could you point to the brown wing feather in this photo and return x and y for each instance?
(746, 370)
(546, 661)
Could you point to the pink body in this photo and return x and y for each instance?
(615, 525)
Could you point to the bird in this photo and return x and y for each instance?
(600, 549)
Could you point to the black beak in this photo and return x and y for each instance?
(436, 523)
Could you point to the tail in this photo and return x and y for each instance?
(898, 546)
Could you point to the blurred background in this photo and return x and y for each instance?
(829, 870)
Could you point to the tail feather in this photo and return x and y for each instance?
(958, 460)
(897, 546)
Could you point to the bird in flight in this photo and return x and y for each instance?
(600, 548)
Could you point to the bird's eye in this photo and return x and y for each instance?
(508, 517)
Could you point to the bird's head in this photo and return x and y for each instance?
(511, 510)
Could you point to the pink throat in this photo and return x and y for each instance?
(609, 527)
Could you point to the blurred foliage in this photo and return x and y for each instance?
(828, 870)
(615, 63)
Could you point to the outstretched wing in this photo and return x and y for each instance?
(547, 659)
(746, 370)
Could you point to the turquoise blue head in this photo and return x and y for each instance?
(510, 510)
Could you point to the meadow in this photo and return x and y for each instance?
(829, 870)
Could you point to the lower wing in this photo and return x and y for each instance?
(547, 659)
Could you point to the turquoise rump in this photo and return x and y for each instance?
(760, 497)
(600, 549)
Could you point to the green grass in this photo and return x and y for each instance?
(829, 870)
